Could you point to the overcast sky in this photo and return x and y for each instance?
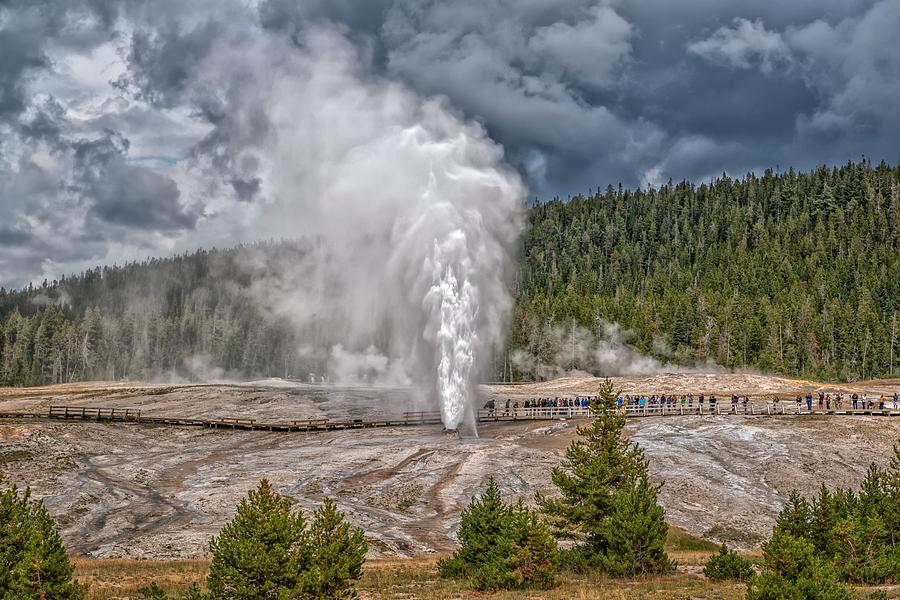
(117, 138)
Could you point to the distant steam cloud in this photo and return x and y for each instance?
(606, 351)
(364, 368)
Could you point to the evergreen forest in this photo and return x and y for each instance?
(787, 273)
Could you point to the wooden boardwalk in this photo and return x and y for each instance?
(131, 415)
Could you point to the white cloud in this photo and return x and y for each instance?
(746, 45)
(854, 67)
(591, 50)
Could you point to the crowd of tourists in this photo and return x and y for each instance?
(824, 401)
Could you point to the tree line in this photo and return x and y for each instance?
(789, 273)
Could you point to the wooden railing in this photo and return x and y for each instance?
(94, 413)
(434, 417)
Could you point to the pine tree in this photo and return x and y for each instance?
(636, 532)
(892, 487)
(267, 551)
(533, 553)
(257, 554)
(795, 517)
(854, 534)
(33, 561)
(338, 552)
(608, 505)
(502, 546)
(481, 528)
(793, 571)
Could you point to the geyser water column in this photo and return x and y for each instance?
(454, 299)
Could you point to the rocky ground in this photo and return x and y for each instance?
(148, 491)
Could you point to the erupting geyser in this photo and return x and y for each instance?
(456, 302)
(409, 211)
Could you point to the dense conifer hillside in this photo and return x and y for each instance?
(797, 274)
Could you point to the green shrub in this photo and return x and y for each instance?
(793, 572)
(153, 592)
(727, 564)
(33, 562)
(502, 546)
(858, 534)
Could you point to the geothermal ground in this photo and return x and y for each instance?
(154, 491)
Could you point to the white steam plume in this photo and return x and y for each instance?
(559, 349)
(410, 213)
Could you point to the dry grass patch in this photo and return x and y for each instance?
(398, 579)
(409, 579)
(109, 578)
(417, 578)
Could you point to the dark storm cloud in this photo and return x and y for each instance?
(581, 93)
(20, 51)
(246, 189)
(46, 124)
(127, 195)
(657, 89)
(162, 60)
(139, 198)
(290, 15)
(13, 237)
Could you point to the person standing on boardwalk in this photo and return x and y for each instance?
(809, 401)
(855, 399)
(896, 400)
(489, 405)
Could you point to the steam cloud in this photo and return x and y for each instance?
(409, 213)
(606, 351)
